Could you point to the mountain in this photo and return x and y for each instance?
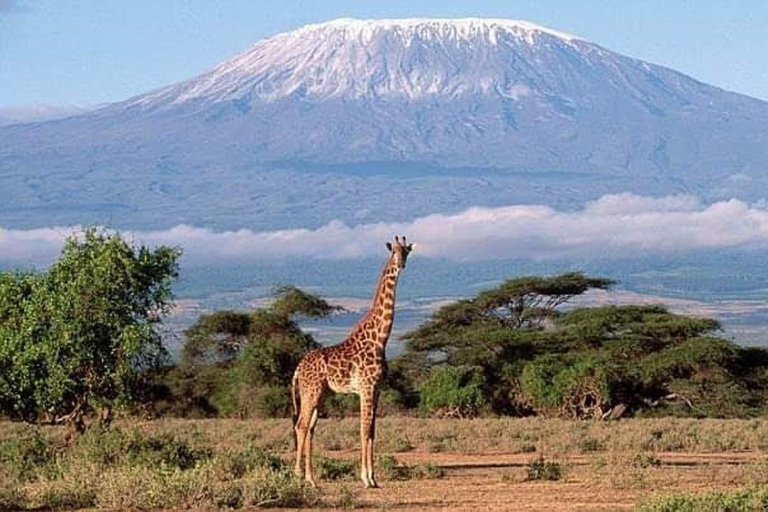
(373, 120)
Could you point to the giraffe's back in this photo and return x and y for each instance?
(344, 368)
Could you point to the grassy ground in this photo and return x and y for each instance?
(525, 464)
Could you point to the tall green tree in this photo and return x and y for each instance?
(249, 357)
(79, 334)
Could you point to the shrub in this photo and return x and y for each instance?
(278, 489)
(402, 444)
(230, 497)
(274, 402)
(576, 389)
(590, 444)
(346, 498)
(453, 391)
(77, 335)
(25, 456)
(249, 458)
(69, 497)
(744, 500)
(165, 449)
(340, 405)
(109, 446)
(337, 469)
(645, 460)
(541, 469)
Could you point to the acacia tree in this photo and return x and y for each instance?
(583, 362)
(77, 335)
(472, 331)
(254, 353)
(222, 335)
(494, 332)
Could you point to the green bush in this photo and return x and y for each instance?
(574, 388)
(453, 391)
(279, 489)
(25, 456)
(337, 469)
(111, 446)
(744, 500)
(76, 336)
(274, 402)
(542, 469)
(249, 458)
(69, 497)
(231, 496)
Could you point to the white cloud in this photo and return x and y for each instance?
(615, 225)
(38, 112)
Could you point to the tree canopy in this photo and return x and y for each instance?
(534, 356)
(236, 362)
(78, 334)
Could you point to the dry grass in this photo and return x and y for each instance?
(481, 463)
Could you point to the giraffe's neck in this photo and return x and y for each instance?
(382, 312)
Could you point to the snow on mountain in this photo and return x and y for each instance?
(349, 58)
(326, 121)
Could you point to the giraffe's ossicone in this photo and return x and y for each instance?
(355, 365)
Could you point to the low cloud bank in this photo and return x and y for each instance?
(615, 225)
(39, 112)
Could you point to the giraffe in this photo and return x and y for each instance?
(356, 365)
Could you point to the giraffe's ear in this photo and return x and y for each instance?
(389, 246)
(410, 247)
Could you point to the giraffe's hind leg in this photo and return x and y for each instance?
(308, 473)
(305, 425)
(367, 433)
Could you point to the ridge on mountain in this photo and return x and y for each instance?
(353, 58)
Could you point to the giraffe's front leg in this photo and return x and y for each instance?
(367, 426)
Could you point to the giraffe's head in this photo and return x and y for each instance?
(400, 251)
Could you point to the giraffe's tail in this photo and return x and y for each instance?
(296, 398)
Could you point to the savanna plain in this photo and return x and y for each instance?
(422, 463)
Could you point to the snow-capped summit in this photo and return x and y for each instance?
(353, 58)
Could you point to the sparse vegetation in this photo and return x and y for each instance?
(743, 500)
(232, 463)
(542, 469)
(337, 469)
(133, 468)
(394, 470)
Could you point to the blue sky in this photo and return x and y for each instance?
(86, 52)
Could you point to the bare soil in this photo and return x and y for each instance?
(498, 481)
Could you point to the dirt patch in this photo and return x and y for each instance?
(497, 481)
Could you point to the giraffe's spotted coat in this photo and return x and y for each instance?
(356, 365)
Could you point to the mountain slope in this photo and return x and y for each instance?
(359, 119)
